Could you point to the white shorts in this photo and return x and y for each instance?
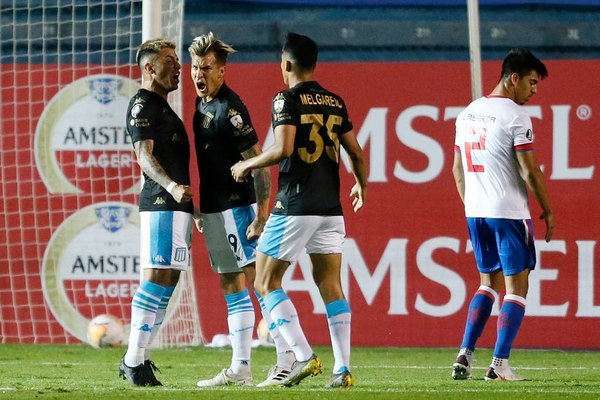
(225, 235)
(165, 239)
(285, 236)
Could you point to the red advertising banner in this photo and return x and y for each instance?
(408, 268)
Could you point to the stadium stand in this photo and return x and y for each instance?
(375, 30)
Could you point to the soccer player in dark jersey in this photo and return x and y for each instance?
(309, 125)
(162, 149)
(232, 214)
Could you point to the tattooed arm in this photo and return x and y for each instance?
(151, 167)
(262, 187)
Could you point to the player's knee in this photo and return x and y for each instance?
(330, 291)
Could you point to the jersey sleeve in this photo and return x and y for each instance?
(346, 125)
(522, 132)
(283, 110)
(141, 120)
(240, 125)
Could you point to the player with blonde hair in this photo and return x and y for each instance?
(232, 214)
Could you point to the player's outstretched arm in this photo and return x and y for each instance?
(282, 148)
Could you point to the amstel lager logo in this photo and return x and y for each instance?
(81, 145)
(92, 265)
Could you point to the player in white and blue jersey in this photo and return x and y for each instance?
(494, 163)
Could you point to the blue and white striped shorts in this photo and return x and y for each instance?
(165, 239)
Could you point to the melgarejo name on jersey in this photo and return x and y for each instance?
(321, 100)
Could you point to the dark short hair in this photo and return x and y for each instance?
(522, 61)
(302, 50)
(151, 48)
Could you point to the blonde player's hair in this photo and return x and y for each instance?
(203, 44)
(151, 48)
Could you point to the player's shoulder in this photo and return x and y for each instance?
(283, 97)
(147, 99)
(228, 98)
(316, 86)
(145, 96)
(509, 110)
(227, 94)
(330, 96)
(499, 102)
(144, 104)
(283, 94)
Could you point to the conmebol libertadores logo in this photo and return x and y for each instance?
(80, 141)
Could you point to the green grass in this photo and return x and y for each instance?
(81, 372)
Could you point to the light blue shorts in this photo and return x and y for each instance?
(285, 236)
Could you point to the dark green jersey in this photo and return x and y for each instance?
(309, 182)
(149, 116)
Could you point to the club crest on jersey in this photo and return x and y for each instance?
(104, 90)
(180, 254)
(206, 120)
(529, 134)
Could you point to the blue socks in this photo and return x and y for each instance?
(509, 322)
(478, 315)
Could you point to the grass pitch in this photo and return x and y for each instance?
(81, 372)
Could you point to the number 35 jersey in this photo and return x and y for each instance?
(309, 182)
(489, 133)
